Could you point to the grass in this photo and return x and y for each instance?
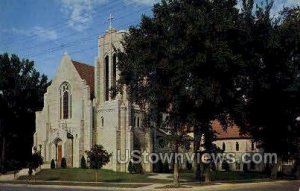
(234, 175)
(89, 175)
(110, 177)
(114, 185)
(229, 176)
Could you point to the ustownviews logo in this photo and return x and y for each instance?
(206, 158)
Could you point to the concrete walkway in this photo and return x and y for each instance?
(262, 186)
(22, 172)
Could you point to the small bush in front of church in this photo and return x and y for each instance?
(83, 163)
(130, 167)
(63, 163)
(166, 168)
(225, 165)
(138, 168)
(52, 164)
(98, 157)
(189, 165)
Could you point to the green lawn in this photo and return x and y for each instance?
(229, 176)
(108, 176)
(89, 175)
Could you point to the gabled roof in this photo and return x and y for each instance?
(232, 132)
(86, 73)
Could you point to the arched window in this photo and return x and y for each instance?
(223, 146)
(237, 146)
(65, 101)
(106, 78)
(138, 122)
(102, 121)
(114, 70)
(114, 76)
(134, 121)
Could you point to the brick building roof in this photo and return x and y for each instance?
(232, 132)
(86, 73)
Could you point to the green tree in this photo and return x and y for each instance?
(269, 86)
(36, 160)
(180, 67)
(21, 94)
(98, 157)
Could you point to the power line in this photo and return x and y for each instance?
(62, 25)
(76, 42)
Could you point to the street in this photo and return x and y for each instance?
(264, 186)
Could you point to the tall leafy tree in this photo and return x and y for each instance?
(269, 86)
(183, 62)
(21, 94)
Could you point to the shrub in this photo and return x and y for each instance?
(63, 163)
(138, 168)
(158, 167)
(36, 160)
(130, 167)
(225, 165)
(52, 164)
(166, 168)
(83, 163)
(188, 165)
(30, 171)
(98, 157)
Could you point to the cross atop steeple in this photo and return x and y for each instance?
(110, 19)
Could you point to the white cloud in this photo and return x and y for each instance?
(44, 33)
(80, 12)
(37, 31)
(143, 2)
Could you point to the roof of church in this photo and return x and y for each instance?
(232, 132)
(86, 73)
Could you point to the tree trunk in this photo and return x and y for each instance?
(176, 167)
(197, 159)
(207, 173)
(297, 160)
(274, 170)
(3, 154)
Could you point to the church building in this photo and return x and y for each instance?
(80, 111)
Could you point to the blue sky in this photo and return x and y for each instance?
(43, 30)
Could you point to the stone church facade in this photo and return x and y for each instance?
(80, 111)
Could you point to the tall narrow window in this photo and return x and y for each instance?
(65, 101)
(237, 146)
(66, 105)
(114, 69)
(102, 121)
(114, 75)
(134, 122)
(106, 78)
(223, 146)
(252, 146)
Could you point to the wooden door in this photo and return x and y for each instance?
(59, 152)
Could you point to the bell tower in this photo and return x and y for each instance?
(106, 71)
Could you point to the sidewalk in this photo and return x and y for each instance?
(160, 186)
